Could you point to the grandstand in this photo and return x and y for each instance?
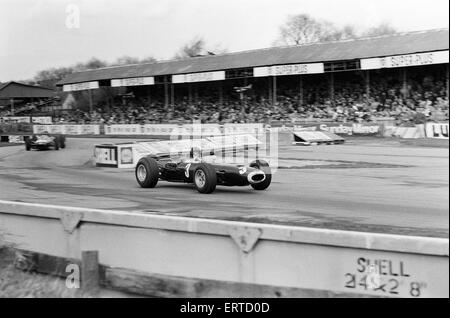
(17, 97)
(402, 76)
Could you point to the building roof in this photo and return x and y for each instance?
(397, 44)
(19, 90)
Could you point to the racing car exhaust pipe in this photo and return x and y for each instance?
(256, 177)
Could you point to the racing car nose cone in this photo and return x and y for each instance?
(255, 177)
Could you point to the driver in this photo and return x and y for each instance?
(196, 157)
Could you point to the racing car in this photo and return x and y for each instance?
(203, 173)
(41, 142)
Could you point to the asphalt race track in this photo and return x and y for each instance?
(372, 185)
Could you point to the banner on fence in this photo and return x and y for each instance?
(43, 120)
(238, 129)
(364, 129)
(123, 130)
(436, 130)
(199, 130)
(158, 130)
(67, 129)
(15, 119)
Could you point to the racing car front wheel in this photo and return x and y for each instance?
(205, 178)
(147, 173)
(264, 166)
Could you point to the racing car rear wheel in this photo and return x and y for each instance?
(264, 166)
(205, 178)
(147, 173)
(63, 143)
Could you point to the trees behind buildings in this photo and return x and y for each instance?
(303, 29)
(297, 30)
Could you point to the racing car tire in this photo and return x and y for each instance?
(149, 166)
(63, 142)
(27, 143)
(207, 174)
(264, 166)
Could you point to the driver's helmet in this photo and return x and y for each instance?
(196, 153)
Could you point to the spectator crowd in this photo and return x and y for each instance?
(417, 102)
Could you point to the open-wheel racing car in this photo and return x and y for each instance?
(42, 142)
(203, 173)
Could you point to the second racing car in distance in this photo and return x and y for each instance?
(41, 142)
(203, 174)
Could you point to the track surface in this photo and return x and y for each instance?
(372, 185)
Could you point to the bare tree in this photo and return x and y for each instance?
(349, 32)
(198, 47)
(333, 33)
(383, 28)
(125, 60)
(301, 29)
(194, 48)
(148, 59)
(49, 77)
(93, 63)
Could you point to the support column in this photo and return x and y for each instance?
(447, 82)
(301, 89)
(166, 95)
(149, 96)
(189, 92)
(270, 89)
(195, 92)
(110, 102)
(405, 83)
(172, 94)
(90, 100)
(274, 93)
(367, 83)
(221, 93)
(332, 88)
(12, 106)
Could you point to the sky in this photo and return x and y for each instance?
(40, 34)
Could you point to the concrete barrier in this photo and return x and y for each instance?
(329, 262)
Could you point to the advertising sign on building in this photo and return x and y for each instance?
(419, 59)
(135, 81)
(291, 69)
(80, 86)
(199, 77)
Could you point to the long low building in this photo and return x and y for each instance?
(12, 93)
(402, 51)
